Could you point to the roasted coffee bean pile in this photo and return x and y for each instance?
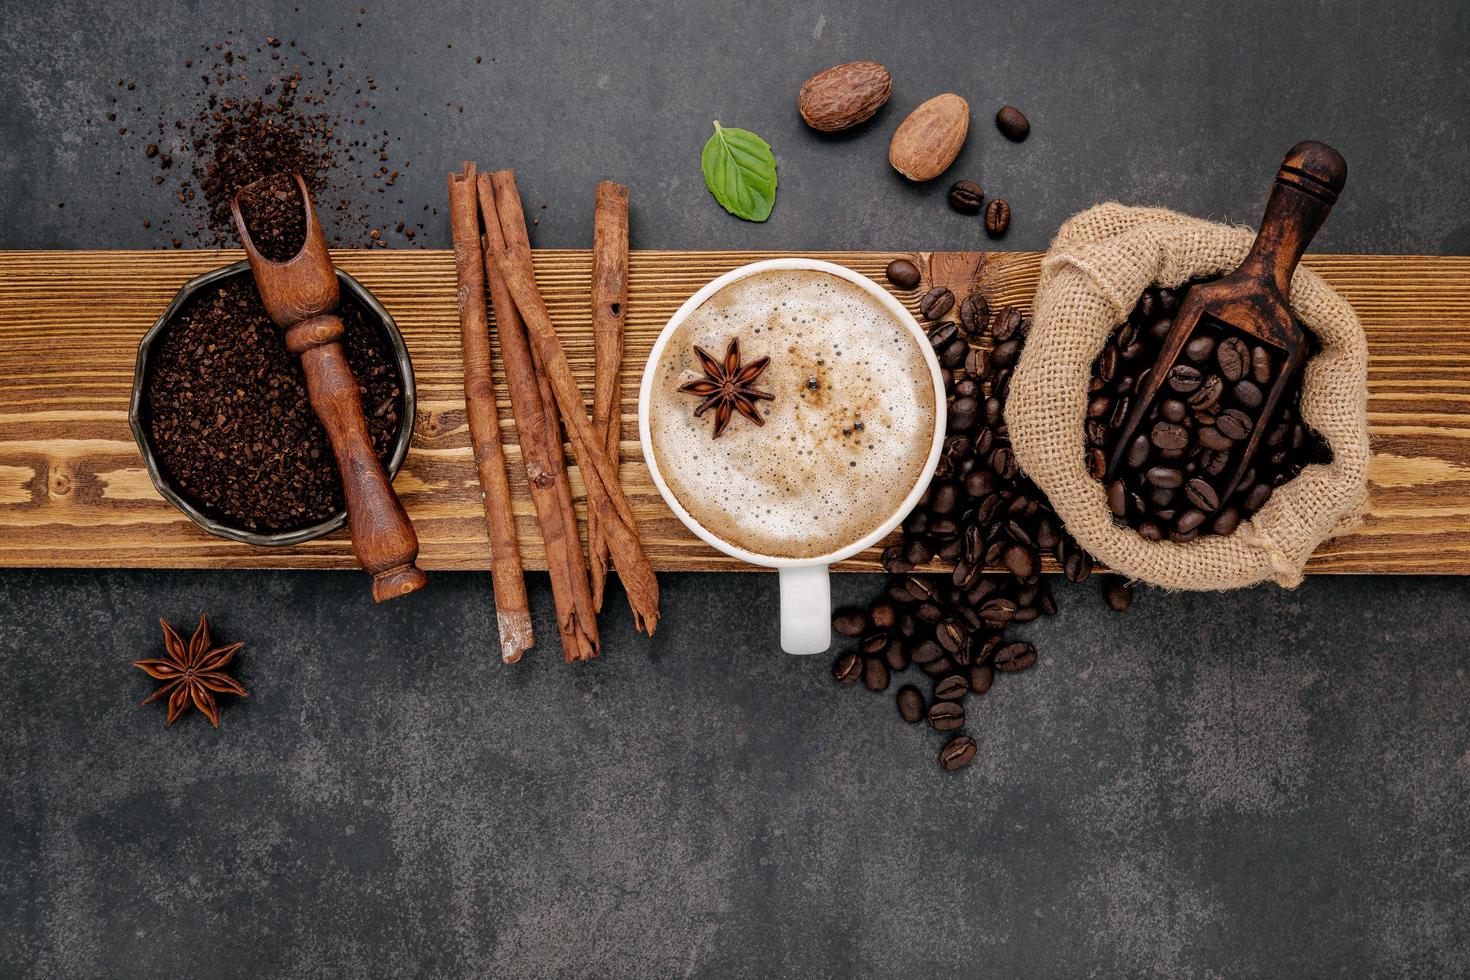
(259, 109)
(978, 511)
(228, 416)
(1175, 477)
(275, 217)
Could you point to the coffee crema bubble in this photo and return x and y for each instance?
(845, 439)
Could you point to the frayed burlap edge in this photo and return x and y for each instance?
(1098, 265)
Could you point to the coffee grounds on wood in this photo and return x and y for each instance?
(275, 217)
(228, 416)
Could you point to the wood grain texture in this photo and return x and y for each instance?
(74, 493)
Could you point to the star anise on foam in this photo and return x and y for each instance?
(727, 387)
(193, 673)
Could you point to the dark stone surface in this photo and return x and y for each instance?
(1156, 797)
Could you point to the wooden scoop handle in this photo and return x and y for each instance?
(1307, 184)
(382, 536)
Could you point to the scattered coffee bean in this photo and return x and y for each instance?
(997, 217)
(847, 668)
(946, 716)
(1012, 123)
(1119, 595)
(1233, 358)
(951, 688)
(966, 197)
(903, 273)
(958, 753)
(910, 704)
(875, 674)
(974, 318)
(936, 302)
(850, 622)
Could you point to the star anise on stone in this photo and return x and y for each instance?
(727, 387)
(192, 674)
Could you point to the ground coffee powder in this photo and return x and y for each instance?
(228, 416)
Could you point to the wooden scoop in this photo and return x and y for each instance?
(301, 295)
(1252, 299)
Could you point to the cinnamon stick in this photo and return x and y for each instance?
(541, 450)
(609, 305)
(512, 257)
(512, 607)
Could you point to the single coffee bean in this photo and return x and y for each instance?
(997, 217)
(896, 656)
(966, 196)
(951, 688)
(940, 667)
(1097, 464)
(926, 653)
(1118, 498)
(910, 704)
(1183, 378)
(942, 333)
(1213, 462)
(1004, 354)
(1120, 412)
(974, 315)
(1213, 438)
(1190, 520)
(977, 362)
(957, 753)
(1208, 395)
(1233, 357)
(847, 668)
(1101, 406)
(1248, 393)
(936, 302)
(850, 622)
(1138, 451)
(1226, 521)
(875, 674)
(1012, 123)
(1166, 435)
(882, 615)
(998, 611)
(1256, 499)
(1014, 656)
(1007, 324)
(1119, 596)
(954, 353)
(982, 675)
(951, 636)
(1234, 423)
(1173, 410)
(1022, 561)
(873, 643)
(1077, 567)
(903, 273)
(1261, 365)
(962, 414)
(1200, 348)
(1203, 496)
(946, 716)
(1165, 477)
(1150, 531)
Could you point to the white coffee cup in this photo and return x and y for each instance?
(806, 595)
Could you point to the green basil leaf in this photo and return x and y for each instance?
(740, 171)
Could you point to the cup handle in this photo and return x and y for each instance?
(806, 609)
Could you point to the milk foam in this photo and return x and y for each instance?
(844, 441)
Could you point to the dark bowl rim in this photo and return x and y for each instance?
(137, 410)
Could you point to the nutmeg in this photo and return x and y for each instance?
(926, 143)
(844, 95)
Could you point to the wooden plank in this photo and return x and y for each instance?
(74, 493)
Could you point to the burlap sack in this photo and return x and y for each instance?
(1097, 267)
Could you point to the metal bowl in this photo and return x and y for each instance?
(138, 410)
